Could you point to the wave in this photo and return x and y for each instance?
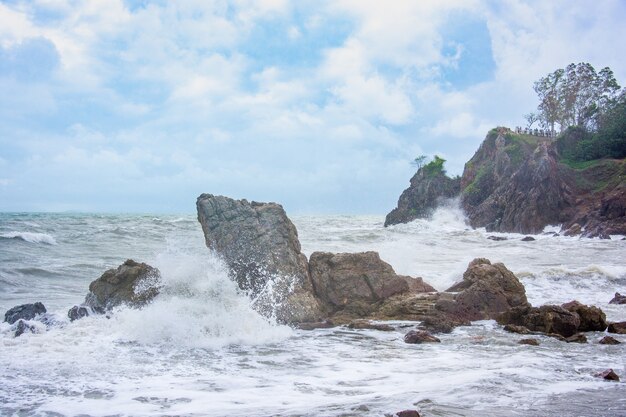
(30, 237)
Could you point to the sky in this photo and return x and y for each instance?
(140, 106)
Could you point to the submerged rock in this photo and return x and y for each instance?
(132, 283)
(326, 324)
(486, 291)
(511, 328)
(528, 239)
(531, 342)
(407, 413)
(419, 337)
(260, 246)
(22, 327)
(497, 238)
(368, 325)
(609, 375)
(577, 338)
(618, 299)
(25, 312)
(609, 340)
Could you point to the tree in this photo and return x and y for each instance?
(531, 118)
(419, 161)
(575, 96)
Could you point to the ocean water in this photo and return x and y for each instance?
(200, 350)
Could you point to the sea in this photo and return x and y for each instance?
(199, 349)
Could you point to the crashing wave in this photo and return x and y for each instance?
(30, 237)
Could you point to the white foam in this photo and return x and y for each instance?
(31, 237)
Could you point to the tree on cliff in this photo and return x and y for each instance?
(576, 96)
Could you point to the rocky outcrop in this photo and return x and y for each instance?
(609, 340)
(429, 187)
(519, 183)
(24, 312)
(486, 291)
(618, 327)
(133, 284)
(419, 337)
(618, 299)
(592, 318)
(260, 246)
(549, 319)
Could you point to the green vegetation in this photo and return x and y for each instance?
(590, 110)
(419, 161)
(435, 167)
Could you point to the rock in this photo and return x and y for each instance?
(619, 327)
(326, 324)
(24, 311)
(407, 413)
(77, 312)
(366, 324)
(132, 283)
(259, 244)
(609, 340)
(531, 342)
(577, 338)
(419, 337)
(618, 299)
(544, 319)
(427, 190)
(516, 329)
(497, 238)
(22, 327)
(609, 375)
(486, 291)
(417, 285)
(440, 324)
(573, 230)
(354, 280)
(528, 239)
(592, 319)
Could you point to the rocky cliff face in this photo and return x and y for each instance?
(425, 193)
(518, 183)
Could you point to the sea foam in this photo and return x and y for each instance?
(31, 237)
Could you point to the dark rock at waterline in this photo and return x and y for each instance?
(486, 290)
(440, 324)
(132, 283)
(544, 319)
(618, 327)
(24, 311)
(609, 340)
(78, 312)
(260, 244)
(368, 325)
(618, 299)
(573, 230)
(22, 327)
(592, 318)
(511, 328)
(427, 190)
(407, 413)
(608, 374)
(497, 238)
(528, 239)
(577, 338)
(530, 342)
(326, 324)
(419, 337)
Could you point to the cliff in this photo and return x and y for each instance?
(521, 183)
(428, 187)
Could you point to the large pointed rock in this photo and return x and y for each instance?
(260, 246)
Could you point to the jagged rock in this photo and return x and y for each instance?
(368, 325)
(486, 291)
(609, 340)
(428, 188)
(417, 285)
(609, 375)
(24, 311)
(419, 337)
(531, 342)
(259, 244)
(618, 299)
(132, 283)
(573, 230)
(528, 239)
(592, 318)
(497, 238)
(545, 319)
(441, 324)
(619, 327)
(577, 338)
(354, 281)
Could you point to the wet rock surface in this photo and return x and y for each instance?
(545, 319)
(609, 340)
(419, 337)
(132, 283)
(24, 312)
(608, 374)
(618, 327)
(530, 342)
(592, 318)
(618, 299)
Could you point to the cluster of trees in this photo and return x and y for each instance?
(589, 102)
(433, 167)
